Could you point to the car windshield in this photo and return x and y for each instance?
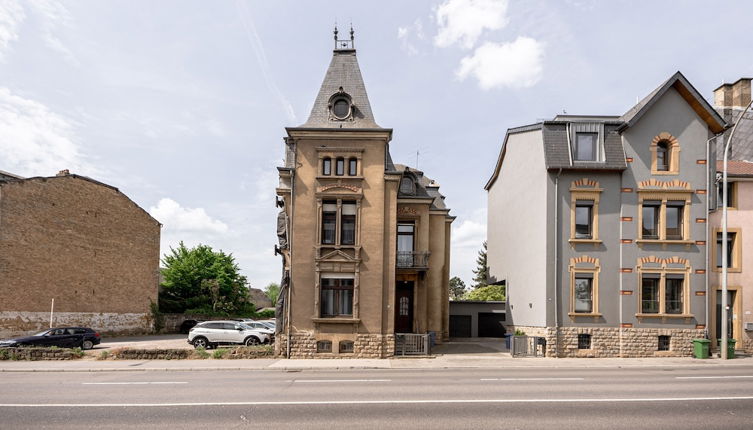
(245, 326)
(42, 333)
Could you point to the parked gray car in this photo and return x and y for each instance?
(210, 334)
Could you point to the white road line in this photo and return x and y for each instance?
(337, 380)
(371, 402)
(131, 383)
(531, 379)
(714, 377)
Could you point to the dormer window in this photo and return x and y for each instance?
(340, 106)
(585, 146)
(407, 186)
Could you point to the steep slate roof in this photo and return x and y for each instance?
(425, 188)
(741, 147)
(677, 81)
(557, 149)
(343, 72)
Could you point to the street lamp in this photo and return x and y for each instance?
(725, 311)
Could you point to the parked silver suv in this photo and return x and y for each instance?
(209, 334)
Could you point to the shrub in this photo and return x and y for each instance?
(519, 332)
(202, 353)
(103, 355)
(219, 353)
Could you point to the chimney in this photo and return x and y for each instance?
(736, 95)
(64, 172)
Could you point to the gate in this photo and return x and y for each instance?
(412, 344)
(528, 346)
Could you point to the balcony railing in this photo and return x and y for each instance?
(412, 260)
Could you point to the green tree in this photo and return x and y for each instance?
(481, 273)
(489, 293)
(272, 291)
(457, 288)
(202, 280)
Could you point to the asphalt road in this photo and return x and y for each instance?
(687, 398)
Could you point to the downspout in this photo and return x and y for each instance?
(290, 244)
(620, 300)
(708, 229)
(556, 265)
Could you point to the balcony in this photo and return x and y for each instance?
(413, 260)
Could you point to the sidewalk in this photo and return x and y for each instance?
(440, 362)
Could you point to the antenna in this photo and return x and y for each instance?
(417, 153)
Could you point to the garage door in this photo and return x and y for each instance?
(460, 326)
(491, 324)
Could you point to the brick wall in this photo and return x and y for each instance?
(84, 244)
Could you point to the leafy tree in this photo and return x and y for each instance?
(457, 288)
(272, 292)
(481, 274)
(201, 280)
(489, 293)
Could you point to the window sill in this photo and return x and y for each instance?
(336, 320)
(664, 172)
(583, 314)
(325, 177)
(594, 241)
(729, 270)
(664, 315)
(665, 241)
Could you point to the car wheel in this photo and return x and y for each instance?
(87, 344)
(251, 341)
(201, 342)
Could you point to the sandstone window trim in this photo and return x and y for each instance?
(585, 191)
(335, 154)
(736, 260)
(661, 270)
(324, 214)
(584, 268)
(731, 195)
(672, 154)
(662, 200)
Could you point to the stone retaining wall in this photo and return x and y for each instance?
(38, 354)
(303, 345)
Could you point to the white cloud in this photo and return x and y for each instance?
(518, 64)
(467, 240)
(35, 141)
(463, 21)
(409, 34)
(54, 16)
(176, 218)
(11, 17)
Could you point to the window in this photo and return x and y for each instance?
(731, 188)
(732, 248)
(585, 146)
(329, 221)
(584, 219)
(352, 167)
(346, 346)
(584, 341)
(405, 244)
(663, 294)
(675, 217)
(340, 166)
(664, 343)
(650, 226)
(662, 156)
(336, 297)
(341, 108)
(324, 346)
(650, 293)
(348, 223)
(327, 166)
(583, 300)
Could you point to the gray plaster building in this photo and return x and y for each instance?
(599, 226)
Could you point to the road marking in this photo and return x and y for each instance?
(714, 377)
(531, 379)
(338, 380)
(371, 402)
(131, 383)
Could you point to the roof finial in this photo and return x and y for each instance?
(335, 32)
(351, 32)
(344, 44)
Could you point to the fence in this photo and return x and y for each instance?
(412, 344)
(528, 346)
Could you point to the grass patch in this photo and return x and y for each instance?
(202, 353)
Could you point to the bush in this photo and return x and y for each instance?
(103, 355)
(219, 353)
(202, 353)
(265, 314)
(489, 293)
(519, 332)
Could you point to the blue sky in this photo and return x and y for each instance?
(182, 104)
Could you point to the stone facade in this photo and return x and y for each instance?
(610, 342)
(304, 345)
(82, 243)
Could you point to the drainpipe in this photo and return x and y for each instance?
(290, 244)
(620, 299)
(708, 236)
(556, 264)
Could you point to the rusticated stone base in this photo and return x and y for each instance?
(615, 342)
(304, 345)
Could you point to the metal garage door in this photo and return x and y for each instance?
(491, 324)
(460, 326)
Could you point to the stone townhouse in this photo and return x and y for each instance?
(730, 100)
(600, 228)
(365, 242)
(82, 243)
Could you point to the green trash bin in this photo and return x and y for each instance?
(730, 347)
(701, 348)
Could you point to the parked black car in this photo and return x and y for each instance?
(64, 337)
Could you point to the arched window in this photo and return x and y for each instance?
(327, 166)
(352, 167)
(407, 186)
(662, 156)
(340, 166)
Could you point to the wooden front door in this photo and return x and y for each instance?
(404, 307)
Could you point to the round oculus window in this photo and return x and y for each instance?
(341, 108)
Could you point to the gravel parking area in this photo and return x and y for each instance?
(162, 341)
